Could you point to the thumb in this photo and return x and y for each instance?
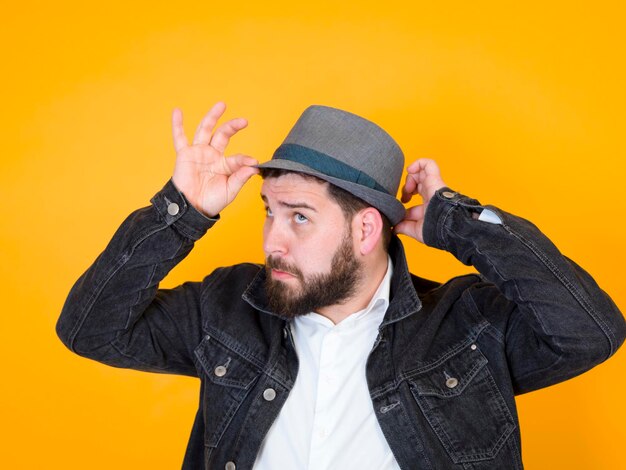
(413, 222)
(411, 228)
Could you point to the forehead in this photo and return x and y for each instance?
(294, 185)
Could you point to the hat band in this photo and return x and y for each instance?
(325, 164)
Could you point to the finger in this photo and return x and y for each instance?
(234, 162)
(180, 139)
(205, 128)
(409, 187)
(427, 165)
(238, 179)
(416, 212)
(225, 132)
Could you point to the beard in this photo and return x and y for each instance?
(316, 290)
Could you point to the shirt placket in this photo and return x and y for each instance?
(326, 390)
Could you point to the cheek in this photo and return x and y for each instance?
(317, 256)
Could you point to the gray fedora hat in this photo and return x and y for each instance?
(348, 151)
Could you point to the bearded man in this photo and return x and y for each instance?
(332, 355)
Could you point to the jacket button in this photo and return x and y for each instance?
(230, 466)
(473, 347)
(172, 208)
(452, 382)
(448, 194)
(269, 394)
(220, 371)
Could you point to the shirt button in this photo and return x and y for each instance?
(230, 466)
(448, 194)
(452, 382)
(173, 209)
(269, 394)
(220, 371)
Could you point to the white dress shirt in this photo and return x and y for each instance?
(328, 421)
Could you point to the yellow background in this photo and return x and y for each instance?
(522, 104)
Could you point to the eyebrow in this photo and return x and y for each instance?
(291, 205)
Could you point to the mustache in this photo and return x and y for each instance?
(281, 265)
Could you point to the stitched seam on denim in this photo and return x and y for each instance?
(467, 378)
(406, 285)
(220, 336)
(255, 408)
(187, 230)
(384, 389)
(407, 420)
(463, 457)
(227, 417)
(269, 372)
(439, 431)
(442, 227)
(125, 257)
(516, 453)
(580, 297)
(440, 360)
(471, 302)
(225, 381)
(509, 428)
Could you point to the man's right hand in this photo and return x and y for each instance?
(209, 180)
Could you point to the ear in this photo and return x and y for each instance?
(368, 229)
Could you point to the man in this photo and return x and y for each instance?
(333, 355)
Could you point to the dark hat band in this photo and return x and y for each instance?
(325, 164)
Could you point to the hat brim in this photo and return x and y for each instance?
(385, 203)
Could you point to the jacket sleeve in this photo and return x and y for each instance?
(552, 319)
(115, 312)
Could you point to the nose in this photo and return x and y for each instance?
(274, 238)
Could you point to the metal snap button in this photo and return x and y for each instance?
(269, 394)
(173, 209)
(230, 466)
(220, 371)
(448, 194)
(473, 347)
(452, 382)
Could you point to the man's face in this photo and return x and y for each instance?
(308, 244)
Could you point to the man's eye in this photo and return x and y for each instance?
(300, 219)
(268, 212)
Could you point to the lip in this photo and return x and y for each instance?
(281, 275)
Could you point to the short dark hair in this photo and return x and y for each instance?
(349, 203)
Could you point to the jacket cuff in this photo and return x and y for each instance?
(439, 209)
(175, 210)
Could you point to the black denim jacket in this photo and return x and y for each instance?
(442, 373)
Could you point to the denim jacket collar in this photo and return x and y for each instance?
(403, 299)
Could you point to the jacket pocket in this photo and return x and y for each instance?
(464, 406)
(227, 378)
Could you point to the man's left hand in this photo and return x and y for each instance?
(423, 178)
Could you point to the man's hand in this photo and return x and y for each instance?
(423, 178)
(209, 180)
